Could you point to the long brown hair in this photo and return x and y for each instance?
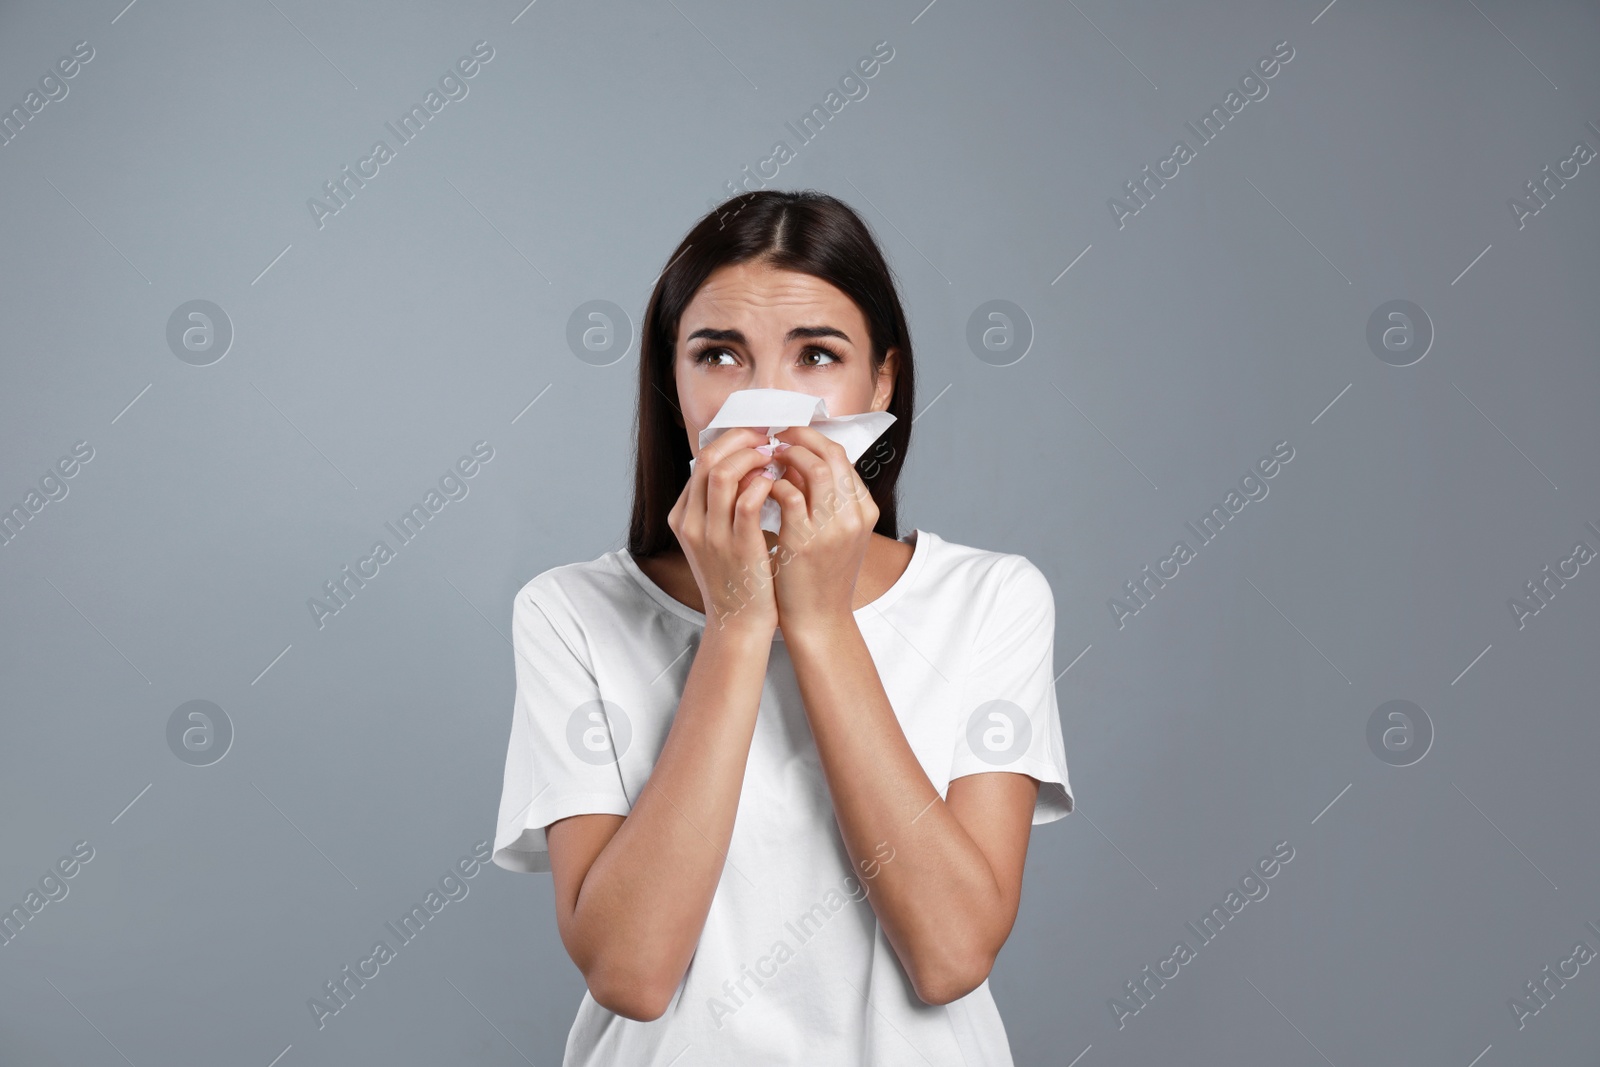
(807, 232)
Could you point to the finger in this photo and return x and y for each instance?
(814, 439)
(749, 477)
(727, 443)
(675, 516)
(724, 482)
(844, 480)
(863, 495)
(822, 445)
(753, 493)
(812, 474)
(834, 454)
(792, 506)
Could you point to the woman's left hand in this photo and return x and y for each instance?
(828, 519)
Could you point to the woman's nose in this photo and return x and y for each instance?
(768, 376)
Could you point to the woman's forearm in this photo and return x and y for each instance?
(938, 901)
(641, 907)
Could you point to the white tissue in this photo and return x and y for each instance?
(776, 410)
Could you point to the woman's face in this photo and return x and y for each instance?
(751, 326)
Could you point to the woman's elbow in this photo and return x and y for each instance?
(642, 998)
(951, 982)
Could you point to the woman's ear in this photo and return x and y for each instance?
(883, 390)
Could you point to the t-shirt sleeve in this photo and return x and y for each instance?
(1009, 719)
(553, 770)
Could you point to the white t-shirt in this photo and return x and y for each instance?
(791, 967)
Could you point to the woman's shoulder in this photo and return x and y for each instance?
(963, 566)
(998, 594)
(575, 589)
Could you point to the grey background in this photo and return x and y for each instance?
(1228, 315)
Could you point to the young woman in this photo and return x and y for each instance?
(783, 782)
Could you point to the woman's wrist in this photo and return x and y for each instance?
(819, 630)
(740, 627)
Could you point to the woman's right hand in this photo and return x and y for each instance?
(717, 521)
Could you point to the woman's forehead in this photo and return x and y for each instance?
(768, 296)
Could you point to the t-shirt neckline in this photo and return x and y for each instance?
(920, 547)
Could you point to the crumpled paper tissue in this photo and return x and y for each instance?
(777, 410)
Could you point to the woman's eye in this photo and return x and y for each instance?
(707, 355)
(820, 352)
(713, 355)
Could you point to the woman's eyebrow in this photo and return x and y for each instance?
(737, 336)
